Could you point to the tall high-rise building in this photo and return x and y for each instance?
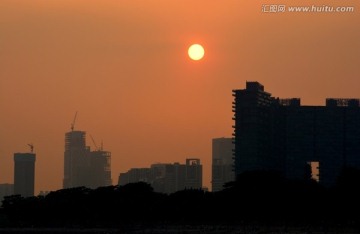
(76, 161)
(252, 128)
(222, 163)
(24, 174)
(281, 134)
(83, 167)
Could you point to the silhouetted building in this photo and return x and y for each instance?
(100, 168)
(24, 174)
(135, 175)
(280, 134)
(193, 173)
(166, 177)
(83, 167)
(6, 190)
(76, 161)
(222, 163)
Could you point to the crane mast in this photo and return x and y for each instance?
(73, 123)
(94, 143)
(31, 147)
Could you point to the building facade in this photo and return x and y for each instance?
(100, 168)
(24, 174)
(222, 163)
(193, 173)
(166, 177)
(76, 161)
(282, 135)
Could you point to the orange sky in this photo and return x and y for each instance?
(123, 66)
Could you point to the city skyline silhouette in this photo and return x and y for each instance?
(124, 67)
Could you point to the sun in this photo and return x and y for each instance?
(196, 52)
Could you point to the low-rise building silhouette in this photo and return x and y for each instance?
(6, 190)
(281, 134)
(167, 177)
(222, 163)
(193, 173)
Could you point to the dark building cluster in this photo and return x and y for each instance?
(287, 165)
(282, 135)
(166, 177)
(272, 134)
(83, 167)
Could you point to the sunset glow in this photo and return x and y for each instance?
(138, 75)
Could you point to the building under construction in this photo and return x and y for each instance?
(281, 134)
(83, 167)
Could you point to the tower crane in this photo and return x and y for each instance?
(96, 148)
(73, 122)
(31, 147)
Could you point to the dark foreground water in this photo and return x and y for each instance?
(191, 230)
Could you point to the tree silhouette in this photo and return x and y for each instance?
(261, 197)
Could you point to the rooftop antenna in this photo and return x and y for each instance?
(73, 123)
(31, 147)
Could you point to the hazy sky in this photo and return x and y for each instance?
(123, 66)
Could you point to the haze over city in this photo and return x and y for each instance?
(123, 66)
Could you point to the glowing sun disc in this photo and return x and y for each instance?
(196, 52)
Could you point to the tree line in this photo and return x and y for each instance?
(263, 197)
